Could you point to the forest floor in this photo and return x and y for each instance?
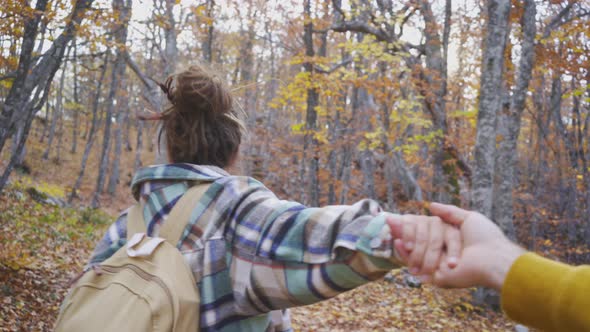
(43, 246)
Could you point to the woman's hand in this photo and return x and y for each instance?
(423, 243)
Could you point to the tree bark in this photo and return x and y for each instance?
(54, 116)
(18, 135)
(489, 104)
(36, 78)
(122, 101)
(505, 163)
(127, 135)
(207, 46)
(15, 99)
(115, 172)
(41, 96)
(139, 145)
(171, 50)
(57, 109)
(150, 91)
(247, 74)
(434, 92)
(120, 33)
(76, 110)
(587, 175)
(362, 103)
(346, 169)
(310, 143)
(91, 131)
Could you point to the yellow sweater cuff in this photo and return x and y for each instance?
(532, 291)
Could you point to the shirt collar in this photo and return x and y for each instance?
(167, 173)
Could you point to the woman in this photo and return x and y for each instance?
(258, 255)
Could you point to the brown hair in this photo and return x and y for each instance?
(202, 125)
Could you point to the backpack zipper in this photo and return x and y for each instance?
(141, 273)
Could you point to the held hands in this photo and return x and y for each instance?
(456, 248)
(424, 243)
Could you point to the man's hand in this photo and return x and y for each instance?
(486, 256)
(421, 242)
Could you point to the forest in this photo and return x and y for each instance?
(480, 103)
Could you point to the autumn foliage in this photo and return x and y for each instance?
(480, 103)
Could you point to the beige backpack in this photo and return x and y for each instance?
(144, 286)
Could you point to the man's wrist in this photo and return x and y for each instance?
(504, 257)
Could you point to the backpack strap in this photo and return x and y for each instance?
(135, 223)
(178, 218)
(180, 215)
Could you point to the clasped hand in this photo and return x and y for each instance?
(453, 248)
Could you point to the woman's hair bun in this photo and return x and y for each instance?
(201, 125)
(198, 89)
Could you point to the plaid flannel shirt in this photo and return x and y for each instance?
(259, 255)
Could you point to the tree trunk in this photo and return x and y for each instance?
(57, 109)
(270, 90)
(395, 165)
(26, 123)
(114, 178)
(362, 103)
(19, 90)
(247, 73)
(17, 154)
(17, 137)
(345, 171)
(582, 143)
(139, 146)
(60, 135)
(207, 46)
(122, 120)
(489, 104)
(36, 79)
(335, 137)
(127, 135)
(505, 163)
(171, 50)
(91, 131)
(434, 92)
(54, 117)
(555, 104)
(120, 33)
(44, 123)
(76, 110)
(543, 123)
(310, 143)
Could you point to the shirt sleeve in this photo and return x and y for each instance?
(548, 295)
(285, 254)
(114, 238)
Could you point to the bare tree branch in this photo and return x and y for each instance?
(8, 76)
(149, 84)
(357, 26)
(334, 67)
(563, 17)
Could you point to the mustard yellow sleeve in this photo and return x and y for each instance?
(547, 295)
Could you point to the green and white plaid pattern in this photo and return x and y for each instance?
(259, 255)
